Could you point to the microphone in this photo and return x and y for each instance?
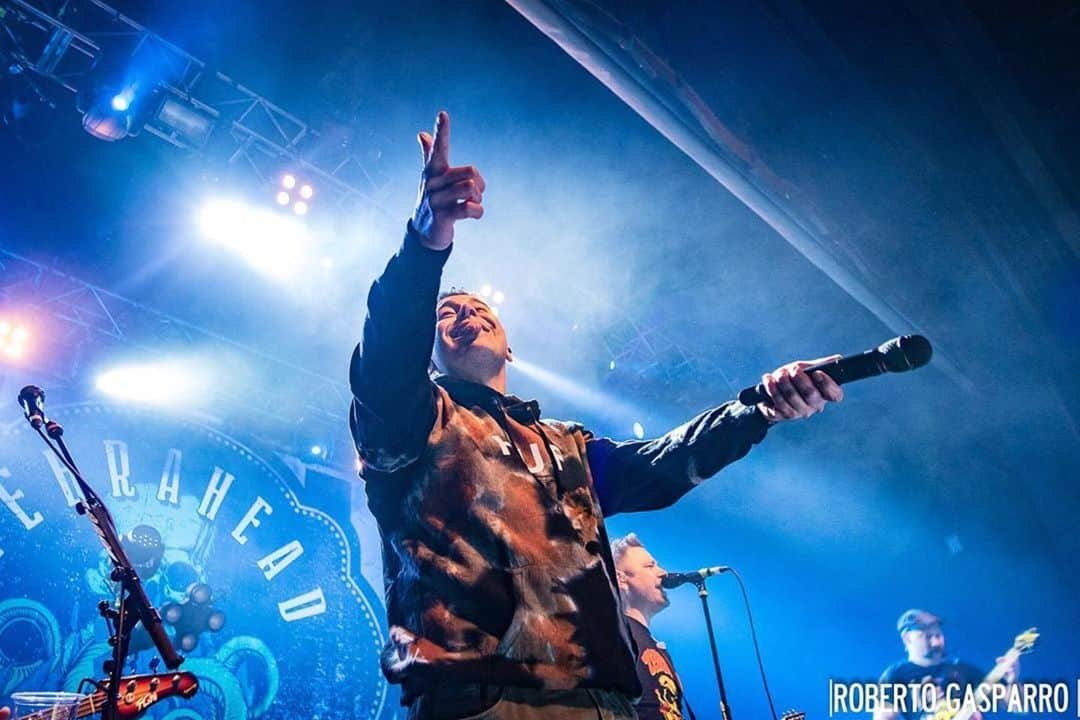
(32, 400)
(900, 354)
(674, 580)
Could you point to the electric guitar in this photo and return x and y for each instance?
(1023, 644)
(137, 694)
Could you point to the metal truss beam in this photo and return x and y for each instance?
(60, 42)
(86, 319)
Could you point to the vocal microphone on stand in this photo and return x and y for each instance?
(32, 400)
(674, 580)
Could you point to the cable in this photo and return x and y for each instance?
(753, 636)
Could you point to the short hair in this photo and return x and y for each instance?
(458, 291)
(620, 545)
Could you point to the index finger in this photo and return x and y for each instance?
(803, 364)
(440, 152)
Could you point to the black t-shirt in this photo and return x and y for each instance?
(662, 696)
(943, 674)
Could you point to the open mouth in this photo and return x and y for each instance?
(467, 332)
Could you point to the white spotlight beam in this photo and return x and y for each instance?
(588, 398)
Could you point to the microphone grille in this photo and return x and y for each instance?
(906, 352)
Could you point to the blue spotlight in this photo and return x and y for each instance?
(317, 450)
(639, 431)
(121, 102)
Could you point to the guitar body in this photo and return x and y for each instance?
(1023, 644)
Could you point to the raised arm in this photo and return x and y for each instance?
(651, 474)
(393, 406)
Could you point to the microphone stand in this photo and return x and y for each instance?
(132, 605)
(725, 709)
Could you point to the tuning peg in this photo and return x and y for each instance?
(131, 686)
(154, 682)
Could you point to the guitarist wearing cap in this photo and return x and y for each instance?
(927, 662)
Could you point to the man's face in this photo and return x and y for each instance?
(470, 342)
(640, 577)
(926, 644)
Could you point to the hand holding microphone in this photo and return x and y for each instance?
(801, 389)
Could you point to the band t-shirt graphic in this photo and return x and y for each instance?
(950, 672)
(662, 695)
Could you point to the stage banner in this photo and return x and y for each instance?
(256, 570)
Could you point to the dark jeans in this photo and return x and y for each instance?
(496, 702)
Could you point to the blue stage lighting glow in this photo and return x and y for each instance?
(639, 430)
(316, 450)
(121, 103)
(283, 198)
(306, 191)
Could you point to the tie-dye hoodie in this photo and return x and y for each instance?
(496, 560)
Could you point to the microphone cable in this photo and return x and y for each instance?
(754, 638)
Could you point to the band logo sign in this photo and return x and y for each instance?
(256, 574)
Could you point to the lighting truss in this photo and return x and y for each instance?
(200, 110)
(87, 319)
(209, 113)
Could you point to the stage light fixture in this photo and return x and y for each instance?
(485, 290)
(283, 198)
(611, 365)
(288, 181)
(186, 123)
(300, 208)
(639, 431)
(497, 297)
(317, 450)
(120, 92)
(306, 191)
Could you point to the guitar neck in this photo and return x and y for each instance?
(998, 671)
(89, 705)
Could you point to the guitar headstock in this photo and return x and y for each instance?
(793, 715)
(139, 692)
(1025, 641)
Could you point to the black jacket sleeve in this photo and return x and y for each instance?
(651, 474)
(393, 408)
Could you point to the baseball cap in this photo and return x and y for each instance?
(915, 619)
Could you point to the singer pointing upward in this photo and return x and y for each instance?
(500, 584)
